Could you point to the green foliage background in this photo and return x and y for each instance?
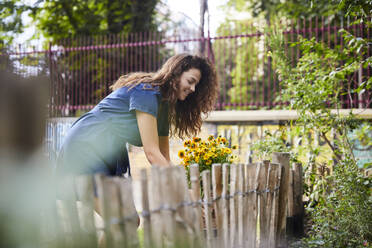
(60, 18)
(340, 201)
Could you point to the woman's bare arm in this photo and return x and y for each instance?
(147, 125)
(164, 147)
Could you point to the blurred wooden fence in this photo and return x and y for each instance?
(240, 205)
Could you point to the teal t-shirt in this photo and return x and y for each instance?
(119, 107)
(97, 140)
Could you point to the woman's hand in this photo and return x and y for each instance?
(148, 129)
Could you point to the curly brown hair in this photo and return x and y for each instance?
(185, 116)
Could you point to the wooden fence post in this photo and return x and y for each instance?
(283, 159)
(99, 205)
(53, 233)
(225, 205)
(168, 214)
(145, 209)
(241, 205)
(195, 195)
(245, 204)
(115, 235)
(275, 173)
(155, 198)
(216, 192)
(69, 209)
(290, 205)
(170, 217)
(187, 234)
(263, 185)
(98, 179)
(233, 205)
(85, 191)
(206, 178)
(252, 173)
(128, 211)
(298, 212)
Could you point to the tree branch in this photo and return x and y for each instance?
(331, 146)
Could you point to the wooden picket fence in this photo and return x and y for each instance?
(237, 205)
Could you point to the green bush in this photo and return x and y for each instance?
(345, 218)
(340, 203)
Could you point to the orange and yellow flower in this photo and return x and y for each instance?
(227, 150)
(207, 152)
(187, 143)
(181, 154)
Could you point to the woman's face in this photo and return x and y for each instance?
(188, 81)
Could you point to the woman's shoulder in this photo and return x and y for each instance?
(146, 88)
(141, 87)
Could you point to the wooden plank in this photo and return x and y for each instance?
(186, 215)
(298, 213)
(85, 191)
(206, 175)
(196, 196)
(98, 180)
(69, 209)
(112, 215)
(271, 173)
(146, 218)
(233, 205)
(128, 211)
(283, 159)
(155, 200)
(290, 206)
(99, 205)
(253, 171)
(168, 214)
(51, 224)
(216, 191)
(297, 188)
(262, 186)
(225, 235)
(246, 204)
(241, 182)
(274, 186)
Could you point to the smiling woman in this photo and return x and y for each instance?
(188, 81)
(139, 111)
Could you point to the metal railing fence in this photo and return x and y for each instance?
(82, 69)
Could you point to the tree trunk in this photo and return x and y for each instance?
(203, 9)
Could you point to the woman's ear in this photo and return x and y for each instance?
(174, 83)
